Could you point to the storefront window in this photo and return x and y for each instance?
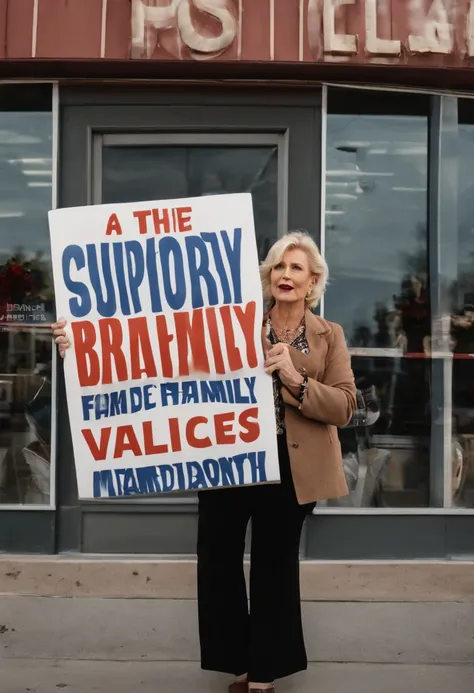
(462, 321)
(376, 244)
(147, 172)
(26, 294)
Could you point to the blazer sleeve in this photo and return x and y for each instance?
(333, 400)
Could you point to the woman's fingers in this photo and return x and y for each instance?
(277, 349)
(273, 360)
(60, 337)
(63, 344)
(270, 369)
(275, 363)
(60, 324)
(58, 328)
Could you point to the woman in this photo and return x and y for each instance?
(314, 393)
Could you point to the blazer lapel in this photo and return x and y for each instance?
(314, 324)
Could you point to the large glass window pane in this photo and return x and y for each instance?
(167, 172)
(26, 294)
(376, 218)
(376, 243)
(462, 322)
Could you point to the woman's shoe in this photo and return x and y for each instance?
(239, 687)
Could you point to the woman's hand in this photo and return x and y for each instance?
(61, 339)
(279, 359)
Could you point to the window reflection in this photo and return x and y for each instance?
(376, 219)
(377, 250)
(25, 415)
(153, 172)
(26, 294)
(462, 321)
(386, 459)
(26, 289)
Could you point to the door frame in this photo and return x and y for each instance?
(195, 114)
(168, 137)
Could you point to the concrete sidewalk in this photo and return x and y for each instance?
(141, 645)
(37, 676)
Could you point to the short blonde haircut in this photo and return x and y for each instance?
(317, 264)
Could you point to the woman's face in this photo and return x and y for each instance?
(291, 278)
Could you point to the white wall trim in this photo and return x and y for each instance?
(301, 32)
(103, 31)
(34, 29)
(272, 29)
(322, 192)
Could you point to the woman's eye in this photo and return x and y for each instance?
(279, 266)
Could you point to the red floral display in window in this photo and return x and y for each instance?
(15, 281)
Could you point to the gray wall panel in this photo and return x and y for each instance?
(27, 531)
(144, 532)
(398, 537)
(401, 537)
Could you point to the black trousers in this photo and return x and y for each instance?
(267, 642)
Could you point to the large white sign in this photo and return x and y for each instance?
(165, 382)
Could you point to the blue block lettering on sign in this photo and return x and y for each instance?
(106, 305)
(211, 473)
(171, 256)
(198, 264)
(135, 271)
(233, 252)
(82, 306)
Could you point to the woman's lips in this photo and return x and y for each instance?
(285, 287)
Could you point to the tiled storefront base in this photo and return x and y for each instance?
(162, 578)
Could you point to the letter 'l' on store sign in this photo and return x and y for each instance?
(173, 27)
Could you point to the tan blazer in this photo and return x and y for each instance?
(313, 442)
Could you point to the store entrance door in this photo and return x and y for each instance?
(163, 145)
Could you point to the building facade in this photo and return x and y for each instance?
(351, 119)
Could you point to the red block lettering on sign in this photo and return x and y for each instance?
(113, 226)
(98, 451)
(87, 360)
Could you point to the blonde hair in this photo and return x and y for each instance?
(317, 264)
